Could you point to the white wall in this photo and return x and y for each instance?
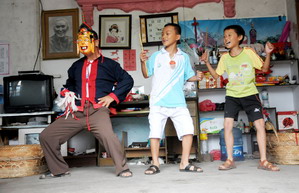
(19, 29)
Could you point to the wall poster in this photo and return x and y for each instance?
(4, 59)
(198, 35)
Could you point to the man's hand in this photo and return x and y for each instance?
(105, 101)
(269, 48)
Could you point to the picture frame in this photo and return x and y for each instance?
(31, 136)
(59, 33)
(115, 31)
(151, 27)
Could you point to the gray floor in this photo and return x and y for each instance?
(246, 178)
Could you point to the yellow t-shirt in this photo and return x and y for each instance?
(241, 72)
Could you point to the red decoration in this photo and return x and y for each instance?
(148, 6)
(195, 30)
(172, 62)
(129, 58)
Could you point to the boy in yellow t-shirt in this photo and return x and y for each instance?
(241, 93)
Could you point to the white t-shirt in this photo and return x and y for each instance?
(168, 82)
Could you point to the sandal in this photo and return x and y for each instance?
(49, 175)
(265, 165)
(191, 168)
(152, 170)
(121, 174)
(227, 165)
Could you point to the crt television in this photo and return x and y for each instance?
(28, 93)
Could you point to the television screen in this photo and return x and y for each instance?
(28, 93)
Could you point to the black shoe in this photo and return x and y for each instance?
(49, 175)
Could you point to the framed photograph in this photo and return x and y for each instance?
(115, 31)
(59, 31)
(151, 27)
(31, 136)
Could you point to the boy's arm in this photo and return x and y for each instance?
(268, 49)
(197, 77)
(205, 58)
(143, 59)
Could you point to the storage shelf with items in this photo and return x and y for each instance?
(141, 149)
(279, 85)
(24, 128)
(282, 72)
(12, 123)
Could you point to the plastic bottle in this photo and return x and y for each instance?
(241, 125)
(211, 57)
(204, 141)
(215, 60)
(265, 98)
(237, 148)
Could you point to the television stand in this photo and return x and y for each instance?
(7, 115)
(16, 125)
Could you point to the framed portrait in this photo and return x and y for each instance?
(59, 31)
(115, 31)
(151, 27)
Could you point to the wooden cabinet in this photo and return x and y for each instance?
(174, 146)
(142, 110)
(171, 144)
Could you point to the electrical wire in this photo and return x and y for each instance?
(40, 40)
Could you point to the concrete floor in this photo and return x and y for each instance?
(245, 179)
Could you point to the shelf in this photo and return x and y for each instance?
(218, 134)
(283, 85)
(282, 62)
(138, 104)
(23, 127)
(223, 89)
(268, 108)
(27, 114)
(14, 121)
(143, 152)
(131, 113)
(81, 160)
(93, 155)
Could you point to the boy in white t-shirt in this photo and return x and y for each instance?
(170, 68)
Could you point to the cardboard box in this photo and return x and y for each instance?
(209, 82)
(287, 120)
(211, 125)
(106, 162)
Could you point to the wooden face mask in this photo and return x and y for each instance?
(85, 42)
